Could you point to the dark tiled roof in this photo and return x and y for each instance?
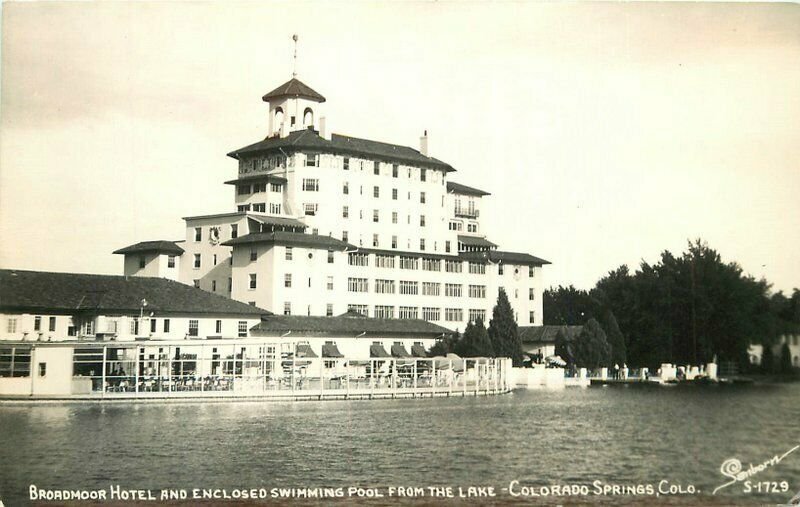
(279, 221)
(161, 246)
(404, 253)
(311, 141)
(505, 257)
(475, 241)
(280, 324)
(545, 334)
(76, 292)
(293, 88)
(291, 239)
(458, 188)
(257, 177)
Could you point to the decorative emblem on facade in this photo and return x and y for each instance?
(213, 235)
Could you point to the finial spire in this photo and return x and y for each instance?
(294, 63)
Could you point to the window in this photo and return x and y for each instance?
(259, 187)
(499, 269)
(447, 247)
(530, 271)
(394, 170)
(358, 259)
(375, 216)
(384, 312)
(243, 189)
(375, 242)
(289, 253)
(253, 280)
(215, 259)
(408, 262)
(153, 325)
(198, 234)
(253, 253)
(455, 226)
(394, 194)
(475, 314)
(166, 325)
(531, 294)
(422, 244)
(452, 290)
(376, 192)
(477, 268)
(431, 264)
(16, 361)
(344, 236)
(362, 309)
(531, 317)
(134, 327)
(453, 266)
(346, 188)
(384, 261)
(376, 168)
(213, 286)
(329, 310)
(242, 329)
(409, 287)
(477, 291)
(193, 327)
(287, 280)
(453, 314)
(171, 261)
(422, 199)
(196, 284)
(422, 220)
(37, 323)
(196, 261)
(142, 261)
(430, 289)
(287, 308)
(346, 164)
(230, 284)
(275, 207)
(345, 211)
(311, 184)
(422, 174)
(310, 208)
(260, 207)
(394, 241)
(357, 284)
(384, 286)
(431, 313)
(52, 324)
(42, 369)
(242, 208)
(311, 160)
(330, 283)
(276, 187)
(218, 327)
(409, 312)
(394, 217)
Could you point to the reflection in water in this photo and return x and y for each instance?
(619, 435)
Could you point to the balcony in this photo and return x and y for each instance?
(467, 212)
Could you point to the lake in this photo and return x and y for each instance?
(635, 442)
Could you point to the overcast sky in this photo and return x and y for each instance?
(606, 132)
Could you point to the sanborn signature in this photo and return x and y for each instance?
(732, 468)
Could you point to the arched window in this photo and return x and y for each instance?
(308, 117)
(278, 119)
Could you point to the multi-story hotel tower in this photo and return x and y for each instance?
(325, 224)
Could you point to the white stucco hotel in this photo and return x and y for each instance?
(322, 224)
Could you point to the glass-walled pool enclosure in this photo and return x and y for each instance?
(264, 368)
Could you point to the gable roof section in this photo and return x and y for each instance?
(546, 334)
(505, 257)
(458, 188)
(160, 246)
(475, 241)
(280, 324)
(294, 88)
(40, 291)
(310, 140)
(291, 239)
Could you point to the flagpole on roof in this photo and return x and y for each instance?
(294, 61)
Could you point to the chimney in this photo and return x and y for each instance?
(323, 128)
(423, 143)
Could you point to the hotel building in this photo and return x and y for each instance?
(323, 224)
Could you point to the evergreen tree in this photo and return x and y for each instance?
(786, 359)
(503, 332)
(476, 341)
(767, 360)
(615, 339)
(447, 344)
(565, 346)
(592, 348)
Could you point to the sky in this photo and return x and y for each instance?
(605, 132)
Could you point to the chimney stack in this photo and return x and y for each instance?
(423, 143)
(323, 128)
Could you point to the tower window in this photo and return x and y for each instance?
(308, 117)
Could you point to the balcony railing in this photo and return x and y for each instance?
(468, 213)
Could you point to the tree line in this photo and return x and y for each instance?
(686, 309)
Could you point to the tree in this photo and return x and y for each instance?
(591, 346)
(785, 365)
(767, 360)
(565, 346)
(447, 344)
(615, 338)
(503, 332)
(475, 342)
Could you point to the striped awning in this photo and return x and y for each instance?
(398, 350)
(418, 350)
(304, 350)
(331, 350)
(376, 350)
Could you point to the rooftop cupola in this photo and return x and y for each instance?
(294, 106)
